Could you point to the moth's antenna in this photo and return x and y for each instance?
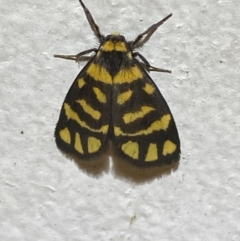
(141, 40)
(92, 23)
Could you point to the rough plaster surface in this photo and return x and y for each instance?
(45, 196)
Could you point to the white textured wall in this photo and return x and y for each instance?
(45, 196)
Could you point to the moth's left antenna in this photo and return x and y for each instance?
(92, 23)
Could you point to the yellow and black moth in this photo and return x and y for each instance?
(113, 99)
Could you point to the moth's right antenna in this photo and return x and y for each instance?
(145, 36)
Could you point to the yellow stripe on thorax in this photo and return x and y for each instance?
(111, 46)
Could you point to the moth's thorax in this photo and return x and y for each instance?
(114, 53)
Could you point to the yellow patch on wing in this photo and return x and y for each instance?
(123, 97)
(152, 153)
(149, 88)
(127, 75)
(81, 83)
(78, 144)
(158, 125)
(98, 73)
(100, 95)
(131, 149)
(88, 109)
(93, 144)
(168, 147)
(65, 135)
(132, 116)
(71, 114)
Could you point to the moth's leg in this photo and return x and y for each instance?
(78, 57)
(147, 66)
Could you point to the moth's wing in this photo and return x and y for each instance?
(144, 131)
(83, 125)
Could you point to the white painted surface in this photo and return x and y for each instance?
(44, 196)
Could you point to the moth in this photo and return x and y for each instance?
(114, 100)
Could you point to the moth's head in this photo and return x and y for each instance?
(114, 42)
